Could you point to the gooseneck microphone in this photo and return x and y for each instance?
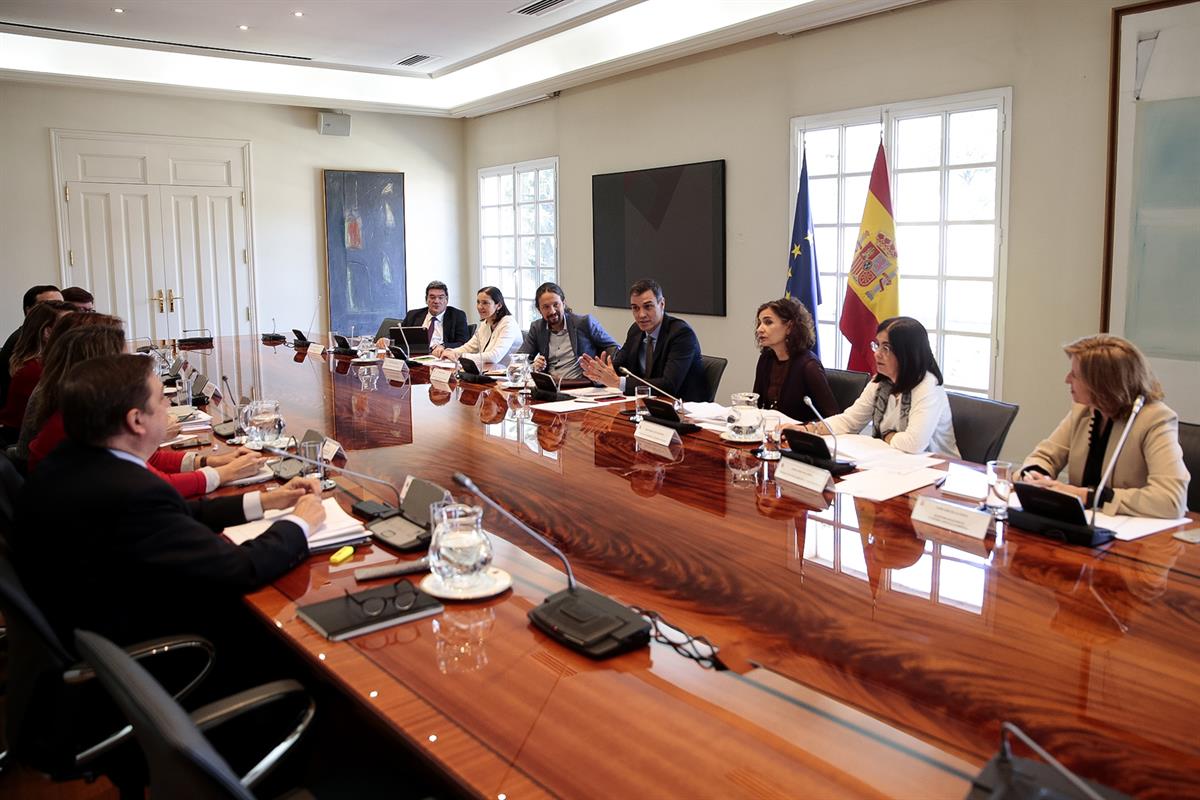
(344, 470)
(808, 402)
(583, 620)
(1112, 462)
(645, 382)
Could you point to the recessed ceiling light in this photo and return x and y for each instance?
(243, 27)
(297, 13)
(118, 11)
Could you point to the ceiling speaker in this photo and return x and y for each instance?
(330, 123)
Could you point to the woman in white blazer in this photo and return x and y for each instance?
(495, 336)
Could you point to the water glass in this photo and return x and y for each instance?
(771, 428)
(999, 475)
(368, 377)
(265, 424)
(366, 347)
(515, 373)
(640, 393)
(459, 551)
(312, 451)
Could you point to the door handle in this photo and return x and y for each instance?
(171, 298)
(159, 297)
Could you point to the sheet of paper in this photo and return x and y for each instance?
(338, 527)
(591, 391)
(264, 474)
(880, 485)
(965, 483)
(567, 406)
(1130, 528)
(714, 412)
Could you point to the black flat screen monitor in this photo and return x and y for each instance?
(667, 224)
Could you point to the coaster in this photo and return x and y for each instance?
(492, 582)
(727, 437)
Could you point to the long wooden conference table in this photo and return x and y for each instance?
(866, 659)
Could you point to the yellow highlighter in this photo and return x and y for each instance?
(341, 555)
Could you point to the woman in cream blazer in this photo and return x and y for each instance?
(495, 336)
(1107, 375)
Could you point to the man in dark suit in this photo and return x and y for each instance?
(445, 324)
(561, 338)
(661, 349)
(35, 295)
(101, 543)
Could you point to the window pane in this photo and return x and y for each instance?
(919, 299)
(489, 191)
(491, 252)
(967, 361)
(491, 276)
(969, 306)
(854, 195)
(830, 337)
(546, 184)
(918, 196)
(489, 221)
(917, 248)
(529, 282)
(527, 181)
(972, 194)
(508, 283)
(527, 252)
(506, 252)
(848, 514)
(822, 199)
(825, 240)
(528, 219)
(507, 221)
(919, 142)
(917, 579)
(822, 149)
(961, 585)
(506, 188)
(849, 243)
(827, 309)
(862, 143)
(548, 276)
(973, 136)
(970, 250)
(546, 218)
(546, 246)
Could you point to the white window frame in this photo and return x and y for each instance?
(517, 304)
(889, 115)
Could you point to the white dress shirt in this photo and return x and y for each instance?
(436, 338)
(930, 427)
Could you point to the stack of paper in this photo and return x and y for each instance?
(338, 528)
(581, 404)
(1129, 528)
(193, 419)
(879, 485)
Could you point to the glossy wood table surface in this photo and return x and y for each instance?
(867, 659)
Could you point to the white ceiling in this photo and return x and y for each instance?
(489, 58)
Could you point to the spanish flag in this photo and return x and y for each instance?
(873, 286)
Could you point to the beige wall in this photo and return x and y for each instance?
(287, 158)
(736, 105)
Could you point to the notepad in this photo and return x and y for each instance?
(338, 527)
(346, 616)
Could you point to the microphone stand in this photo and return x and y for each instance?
(675, 400)
(344, 470)
(583, 620)
(808, 402)
(1112, 462)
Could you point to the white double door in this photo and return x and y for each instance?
(169, 260)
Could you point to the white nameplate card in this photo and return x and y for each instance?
(315, 349)
(951, 516)
(209, 390)
(330, 448)
(806, 476)
(653, 432)
(394, 365)
(441, 375)
(408, 479)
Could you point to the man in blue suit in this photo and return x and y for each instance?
(561, 338)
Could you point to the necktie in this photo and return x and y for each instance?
(432, 322)
(649, 360)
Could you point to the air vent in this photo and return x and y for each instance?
(540, 7)
(414, 60)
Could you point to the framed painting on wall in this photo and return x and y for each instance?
(364, 249)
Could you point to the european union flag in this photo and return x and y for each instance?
(802, 281)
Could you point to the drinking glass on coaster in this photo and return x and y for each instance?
(312, 451)
(999, 475)
(640, 393)
(771, 428)
(459, 551)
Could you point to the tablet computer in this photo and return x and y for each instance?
(414, 340)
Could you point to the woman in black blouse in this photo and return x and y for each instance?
(787, 368)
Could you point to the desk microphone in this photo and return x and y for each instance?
(808, 402)
(645, 382)
(387, 525)
(1112, 462)
(229, 426)
(581, 619)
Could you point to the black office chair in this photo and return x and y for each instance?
(47, 689)
(183, 764)
(714, 368)
(471, 328)
(846, 385)
(1189, 440)
(980, 425)
(11, 483)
